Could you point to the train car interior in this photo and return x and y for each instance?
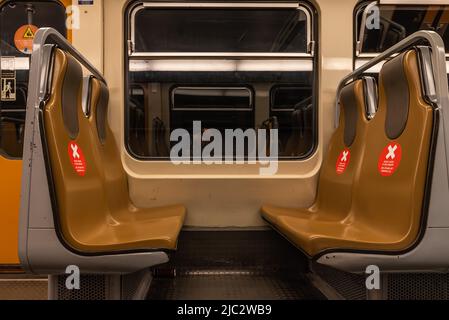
(242, 150)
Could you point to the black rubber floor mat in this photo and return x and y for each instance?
(232, 287)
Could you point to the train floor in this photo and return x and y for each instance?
(233, 265)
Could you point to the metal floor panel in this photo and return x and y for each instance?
(235, 250)
(232, 287)
(233, 265)
(23, 287)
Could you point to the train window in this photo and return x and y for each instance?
(19, 20)
(217, 64)
(396, 22)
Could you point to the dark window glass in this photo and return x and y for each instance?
(288, 97)
(176, 99)
(220, 30)
(399, 21)
(216, 107)
(13, 16)
(292, 112)
(137, 134)
(222, 93)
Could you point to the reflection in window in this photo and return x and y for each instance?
(18, 22)
(211, 98)
(291, 110)
(15, 14)
(399, 21)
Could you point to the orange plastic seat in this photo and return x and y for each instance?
(334, 197)
(377, 203)
(91, 197)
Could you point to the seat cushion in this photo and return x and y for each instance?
(273, 213)
(145, 229)
(315, 232)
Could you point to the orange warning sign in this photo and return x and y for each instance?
(77, 158)
(389, 159)
(343, 161)
(23, 38)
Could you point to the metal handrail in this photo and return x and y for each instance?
(438, 57)
(51, 36)
(40, 64)
(438, 70)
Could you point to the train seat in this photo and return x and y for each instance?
(90, 187)
(336, 179)
(376, 204)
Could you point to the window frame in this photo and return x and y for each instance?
(219, 5)
(306, 61)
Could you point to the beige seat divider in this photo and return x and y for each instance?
(94, 212)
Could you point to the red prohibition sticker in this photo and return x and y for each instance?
(389, 159)
(77, 158)
(342, 161)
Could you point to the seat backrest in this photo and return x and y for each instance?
(81, 201)
(389, 192)
(115, 183)
(343, 157)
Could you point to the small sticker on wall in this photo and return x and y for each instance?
(8, 89)
(342, 161)
(77, 158)
(389, 159)
(85, 2)
(23, 38)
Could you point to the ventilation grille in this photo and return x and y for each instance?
(418, 286)
(92, 287)
(350, 286)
